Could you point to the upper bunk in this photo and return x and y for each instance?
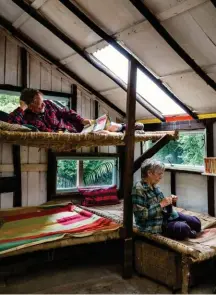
(69, 141)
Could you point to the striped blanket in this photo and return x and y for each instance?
(24, 227)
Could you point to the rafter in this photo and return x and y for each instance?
(24, 16)
(84, 54)
(172, 43)
(24, 39)
(74, 9)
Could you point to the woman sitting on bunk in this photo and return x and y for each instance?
(46, 116)
(153, 212)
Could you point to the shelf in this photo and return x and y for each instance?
(209, 174)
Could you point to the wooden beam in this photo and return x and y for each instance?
(17, 199)
(8, 184)
(128, 169)
(179, 125)
(96, 113)
(173, 182)
(74, 97)
(39, 50)
(84, 54)
(51, 175)
(210, 179)
(143, 9)
(214, 3)
(112, 41)
(151, 151)
(24, 168)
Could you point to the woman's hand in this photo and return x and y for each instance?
(166, 202)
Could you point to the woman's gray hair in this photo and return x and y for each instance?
(151, 165)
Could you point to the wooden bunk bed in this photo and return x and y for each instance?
(67, 142)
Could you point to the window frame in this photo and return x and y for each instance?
(183, 167)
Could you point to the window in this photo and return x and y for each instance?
(85, 172)
(186, 153)
(118, 64)
(8, 102)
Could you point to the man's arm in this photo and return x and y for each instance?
(17, 116)
(77, 120)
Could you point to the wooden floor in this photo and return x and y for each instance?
(98, 271)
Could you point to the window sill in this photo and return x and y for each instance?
(186, 169)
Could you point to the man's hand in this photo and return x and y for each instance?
(86, 121)
(23, 105)
(166, 201)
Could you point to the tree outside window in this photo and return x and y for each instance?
(189, 150)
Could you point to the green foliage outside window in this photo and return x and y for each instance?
(8, 103)
(95, 172)
(189, 149)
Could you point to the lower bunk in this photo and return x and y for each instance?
(56, 225)
(163, 259)
(52, 226)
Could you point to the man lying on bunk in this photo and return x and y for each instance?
(153, 212)
(46, 116)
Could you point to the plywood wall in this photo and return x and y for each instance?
(41, 75)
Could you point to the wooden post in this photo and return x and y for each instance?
(17, 197)
(51, 175)
(73, 103)
(96, 112)
(151, 151)
(173, 182)
(210, 179)
(128, 169)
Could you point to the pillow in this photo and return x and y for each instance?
(99, 196)
(13, 127)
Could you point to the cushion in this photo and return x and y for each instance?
(99, 196)
(3, 116)
(13, 127)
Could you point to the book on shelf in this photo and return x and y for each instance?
(101, 123)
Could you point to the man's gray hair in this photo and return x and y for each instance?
(151, 165)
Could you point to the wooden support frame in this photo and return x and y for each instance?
(151, 151)
(84, 54)
(143, 9)
(17, 198)
(112, 41)
(128, 169)
(39, 50)
(180, 125)
(51, 175)
(74, 97)
(210, 179)
(214, 3)
(173, 182)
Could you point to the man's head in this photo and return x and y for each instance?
(152, 171)
(34, 100)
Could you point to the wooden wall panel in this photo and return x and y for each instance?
(46, 80)
(41, 75)
(2, 57)
(56, 81)
(11, 63)
(34, 73)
